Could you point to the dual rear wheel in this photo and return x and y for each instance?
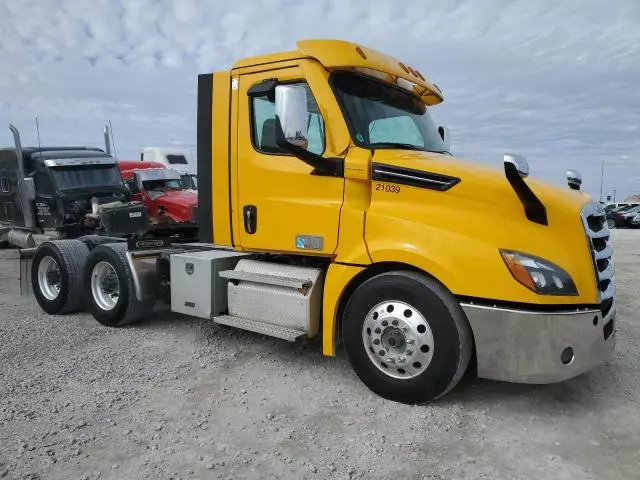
(66, 277)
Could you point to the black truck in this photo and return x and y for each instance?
(64, 192)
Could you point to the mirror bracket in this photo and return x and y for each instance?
(332, 167)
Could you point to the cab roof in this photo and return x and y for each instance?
(343, 55)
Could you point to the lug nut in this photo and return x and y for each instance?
(402, 359)
(409, 353)
(390, 360)
(405, 329)
(410, 341)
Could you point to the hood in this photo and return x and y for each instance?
(461, 222)
(487, 184)
(178, 204)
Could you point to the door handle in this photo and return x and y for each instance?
(250, 215)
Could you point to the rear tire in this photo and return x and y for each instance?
(110, 292)
(406, 337)
(56, 276)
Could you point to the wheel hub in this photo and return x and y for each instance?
(105, 287)
(398, 339)
(393, 339)
(49, 278)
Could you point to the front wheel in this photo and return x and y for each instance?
(406, 337)
(110, 292)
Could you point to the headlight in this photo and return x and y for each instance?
(538, 275)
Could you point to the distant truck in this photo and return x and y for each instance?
(178, 159)
(63, 192)
(172, 209)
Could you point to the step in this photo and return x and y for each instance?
(284, 333)
(266, 279)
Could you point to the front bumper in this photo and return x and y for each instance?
(526, 347)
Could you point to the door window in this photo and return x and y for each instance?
(263, 113)
(43, 184)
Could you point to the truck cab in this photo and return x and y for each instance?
(177, 159)
(330, 207)
(172, 208)
(63, 192)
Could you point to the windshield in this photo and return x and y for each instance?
(189, 181)
(382, 116)
(84, 177)
(635, 209)
(160, 185)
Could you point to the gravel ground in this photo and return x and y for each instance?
(175, 397)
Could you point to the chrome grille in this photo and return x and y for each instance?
(598, 234)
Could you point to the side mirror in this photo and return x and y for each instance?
(29, 189)
(292, 119)
(574, 179)
(519, 161)
(131, 184)
(291, 112)
(446, 137)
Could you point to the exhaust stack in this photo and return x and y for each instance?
(26, 188)
(107, 140)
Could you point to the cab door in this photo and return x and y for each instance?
(281, 206)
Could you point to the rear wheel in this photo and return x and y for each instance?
(406, 337)
(110, 292)
(56, 276)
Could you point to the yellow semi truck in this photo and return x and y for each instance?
(330, 206)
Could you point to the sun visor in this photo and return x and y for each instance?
(338, 54)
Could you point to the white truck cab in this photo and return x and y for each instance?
(177, 159)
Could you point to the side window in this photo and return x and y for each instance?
(395, 129)
(263, 122)
(43, 184)
(4, 184)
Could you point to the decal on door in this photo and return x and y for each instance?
(309, 242)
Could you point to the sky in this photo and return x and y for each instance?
(555, 81)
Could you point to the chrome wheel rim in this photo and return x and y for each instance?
(105, 286)
(49, 278)
(398, 339)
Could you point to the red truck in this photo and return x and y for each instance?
(172, 210)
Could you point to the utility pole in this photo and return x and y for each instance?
(601, 179)
(614, 195)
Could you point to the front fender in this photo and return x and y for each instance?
(465, 260)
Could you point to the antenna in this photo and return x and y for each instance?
(38, 130)
(113, 140)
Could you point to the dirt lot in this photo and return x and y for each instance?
(175, 397)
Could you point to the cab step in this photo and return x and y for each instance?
(268, 329)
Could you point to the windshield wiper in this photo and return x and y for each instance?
(405, 146)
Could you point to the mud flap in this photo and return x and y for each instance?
(26, 258)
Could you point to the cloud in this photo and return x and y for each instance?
(556, 81)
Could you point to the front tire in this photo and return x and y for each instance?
(56, 276)
(406, 337)
(110, 292)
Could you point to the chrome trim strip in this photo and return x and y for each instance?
(71, 162)
(591, 210)
(411, 177)
(606, 253)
